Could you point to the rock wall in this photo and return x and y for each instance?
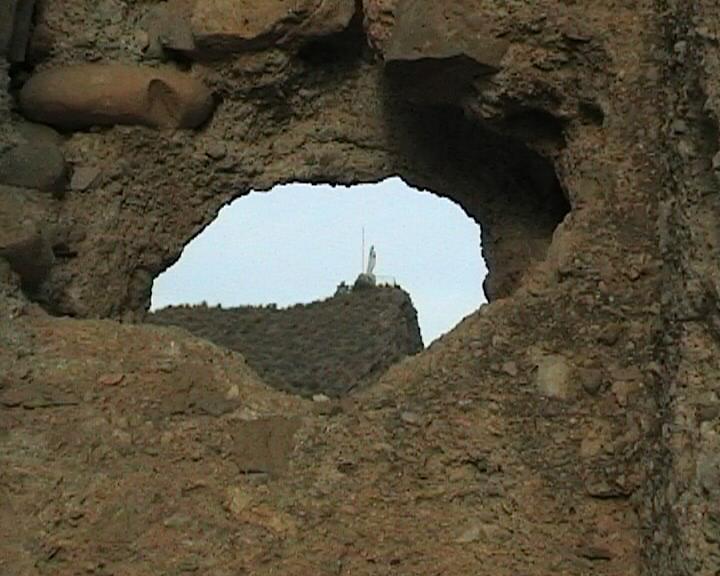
(329, 347)
(568, 427)
(296, 97)
(685, 535)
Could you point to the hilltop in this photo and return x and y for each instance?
(330, 346)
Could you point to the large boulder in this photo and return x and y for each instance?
(423, 31)
(417, 29)
(34, 164)
(432, 57)
(25, 242)
(85, 95)
(213, 28)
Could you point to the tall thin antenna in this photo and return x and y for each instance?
(362, 270)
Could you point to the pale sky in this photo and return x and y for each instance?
(297, 242)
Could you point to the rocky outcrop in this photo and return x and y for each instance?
(329, 347)
(81, 96)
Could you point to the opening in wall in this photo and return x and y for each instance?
(298, 242)
(318, 286)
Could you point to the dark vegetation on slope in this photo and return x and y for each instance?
(329, 347)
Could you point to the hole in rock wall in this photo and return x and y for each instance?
(281, 277)
(296, 243)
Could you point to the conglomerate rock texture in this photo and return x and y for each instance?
(328, 347)
(571, 426)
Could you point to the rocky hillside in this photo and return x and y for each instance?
(329, 347)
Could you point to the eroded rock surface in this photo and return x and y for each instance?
(569, 427)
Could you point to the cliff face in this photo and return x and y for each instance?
(570, 426)
(328, 347)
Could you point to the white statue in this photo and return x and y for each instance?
(372, 259)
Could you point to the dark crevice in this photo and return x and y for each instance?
(709, 131)
(511, 190)
(64, 251)
(435, 81)
(340, 49)
(534, 125)
(446, 144)
(19, 74)
(182, 60)
(592, 112)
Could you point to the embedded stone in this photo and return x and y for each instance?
(552, 378)
(30, 133)
(168, 29)
(228, 25)
(83, 178)
(216, 150)
(592, 380)
(431, 33)
(510, 368)
(39, 165)
(432, 56)
(24, 243)
(236, 25)
(326, 18)
(85, 95)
